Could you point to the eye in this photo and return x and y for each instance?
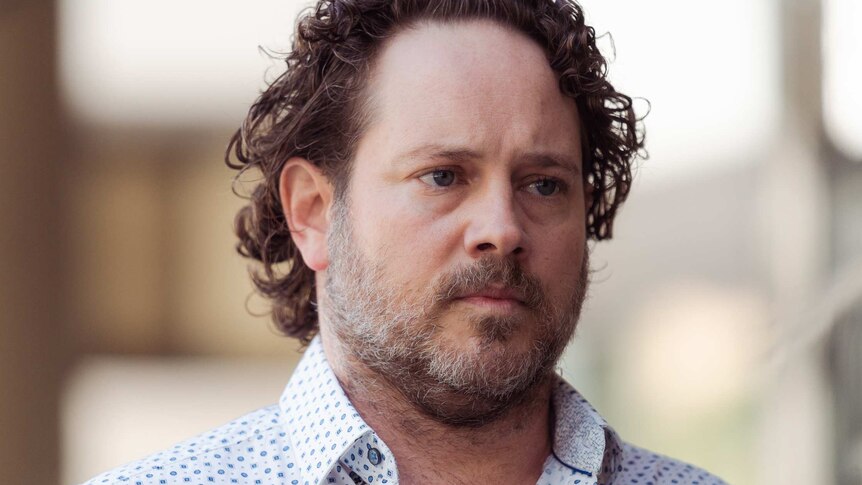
(546, 187)
(439, 178)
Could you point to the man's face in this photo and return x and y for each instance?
(458, 257)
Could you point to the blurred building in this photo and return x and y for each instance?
(733, 283)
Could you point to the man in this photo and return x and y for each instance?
(432, 170)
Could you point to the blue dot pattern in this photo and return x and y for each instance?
(315, 436)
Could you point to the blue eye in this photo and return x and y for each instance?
(440, 178)
(546, 187)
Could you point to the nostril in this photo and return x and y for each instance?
(488, 247)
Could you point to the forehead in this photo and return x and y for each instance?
(474, 84)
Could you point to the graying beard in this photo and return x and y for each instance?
(381, 330)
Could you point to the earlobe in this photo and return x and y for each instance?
(306, 195)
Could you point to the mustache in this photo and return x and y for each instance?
(484, 273)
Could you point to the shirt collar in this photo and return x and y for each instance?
(583, 440)
(322, 422)
(323, 425)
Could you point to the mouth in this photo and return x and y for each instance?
(504, 299)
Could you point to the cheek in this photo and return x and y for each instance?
(407, 236)
(558, 257)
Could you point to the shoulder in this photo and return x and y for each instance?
(642, 466)
(250, 448)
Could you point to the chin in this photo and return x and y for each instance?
(473, 380)
(479, 385)
(488, 351)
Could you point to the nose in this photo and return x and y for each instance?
(493, 226)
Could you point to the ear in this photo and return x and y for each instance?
(306, 195)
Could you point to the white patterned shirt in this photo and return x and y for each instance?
(315, 436)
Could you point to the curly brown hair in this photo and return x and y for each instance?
(314, 110)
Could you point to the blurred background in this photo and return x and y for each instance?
(724, 325)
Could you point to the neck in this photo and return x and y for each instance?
(511, 449)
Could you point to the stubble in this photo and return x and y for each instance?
(396, 333)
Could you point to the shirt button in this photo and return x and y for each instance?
(374, 456)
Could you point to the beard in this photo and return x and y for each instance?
(397, 334)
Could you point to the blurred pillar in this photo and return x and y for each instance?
(796, 434)
(845, 342)
(31, 330)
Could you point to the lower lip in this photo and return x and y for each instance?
(493, 303)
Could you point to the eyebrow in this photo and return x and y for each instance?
(461, 155)
(548, 160)
(433, 150)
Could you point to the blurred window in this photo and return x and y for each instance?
(157, 62)
(842, 75)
